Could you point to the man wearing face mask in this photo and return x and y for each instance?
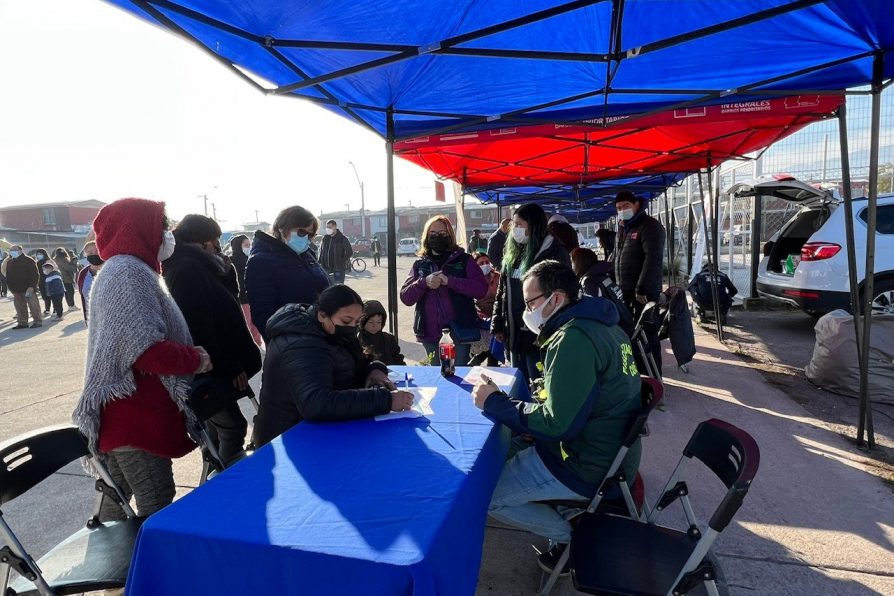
(23, 278)
(282, 268)
(91, 264)
(567, 440)
(335, 252)
(639, 255)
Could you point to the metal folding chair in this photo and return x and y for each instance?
(640, 340)
(651, 393)
(618, 555)
(94, 558)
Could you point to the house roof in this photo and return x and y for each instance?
(88, 203)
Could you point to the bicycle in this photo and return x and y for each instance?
(358, 265)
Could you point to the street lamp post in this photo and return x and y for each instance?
(362, 202)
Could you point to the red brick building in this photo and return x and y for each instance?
(67, 216)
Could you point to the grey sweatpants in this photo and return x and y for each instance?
(146, 477)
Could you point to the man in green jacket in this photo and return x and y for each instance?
(572, 432)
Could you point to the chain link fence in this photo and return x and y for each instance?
(811, 155)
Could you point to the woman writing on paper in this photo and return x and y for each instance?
(315, 368)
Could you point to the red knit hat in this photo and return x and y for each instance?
(130, 227)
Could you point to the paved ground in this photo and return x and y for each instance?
(817, 520)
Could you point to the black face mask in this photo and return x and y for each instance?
(94, 260)
(346, 330)
(439, 243)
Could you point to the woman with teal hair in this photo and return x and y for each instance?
(528, 243)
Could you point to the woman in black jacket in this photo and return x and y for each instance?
(240, 249)
(41, 256)
(526, 245)
(315, 369)
(198, 277)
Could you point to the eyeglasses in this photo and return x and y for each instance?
(438, 234)
(530, 300)
(301, 233)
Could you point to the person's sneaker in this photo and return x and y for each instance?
(35, 325)
(549, 559)
(46, 312)
(57, 317)
(20, 327)
(71, 308)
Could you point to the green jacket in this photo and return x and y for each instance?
(591, 393)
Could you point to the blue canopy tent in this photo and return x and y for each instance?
(414, 67)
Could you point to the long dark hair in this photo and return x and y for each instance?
(524, 254)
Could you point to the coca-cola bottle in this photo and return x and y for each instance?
(447, 354)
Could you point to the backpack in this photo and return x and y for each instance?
(608, 289)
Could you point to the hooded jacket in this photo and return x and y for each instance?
(276, 275)
(239, 260)
(311, 375)
(510, 305)
(639, 255)
(148, 418)
(198, 284)
(22, 273)
(453, 303)
(597, 282)
(591, 393)
(68, 271)
(55, 285)
(381, 346)
(40, 252)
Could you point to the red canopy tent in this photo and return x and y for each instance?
(684, 140)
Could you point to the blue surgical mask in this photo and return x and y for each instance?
(15, 254)
(298, 243)
(625, 214)
(40, 257)
(246, 250)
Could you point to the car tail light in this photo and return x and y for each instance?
(817, 251)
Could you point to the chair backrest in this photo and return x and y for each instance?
(651, 392)
(28, 459)
(733, 456)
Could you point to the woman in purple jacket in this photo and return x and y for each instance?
(443, 284)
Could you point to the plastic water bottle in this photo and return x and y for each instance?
(447, 354)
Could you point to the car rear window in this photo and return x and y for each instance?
(884, 219)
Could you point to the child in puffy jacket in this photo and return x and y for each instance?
(55, 287)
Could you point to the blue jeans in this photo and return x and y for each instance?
(462, 353)
(525, 480)
(337, 277)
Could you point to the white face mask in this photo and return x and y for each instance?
(520, 235)
(625, 214)
(534, 319)
(246, 250)
(486, 268)
(167, 246)
(329, 231)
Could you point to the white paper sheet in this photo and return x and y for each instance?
(497, 376)
(422, 398)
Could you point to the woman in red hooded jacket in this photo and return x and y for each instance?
(140, 358)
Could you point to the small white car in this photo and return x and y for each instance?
(816, 242)
(408, 247)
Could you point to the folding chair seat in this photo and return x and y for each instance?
(94, 558)
(617, 555)
(651, 393)
(646, 325)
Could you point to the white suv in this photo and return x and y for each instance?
(408, 247)
(815, 240)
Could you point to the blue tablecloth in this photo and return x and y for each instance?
(363, 507)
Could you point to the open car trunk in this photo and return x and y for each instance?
(818, 204)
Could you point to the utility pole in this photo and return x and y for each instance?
(362, 202)
(204, 197)
(214, 211)
(257, 220)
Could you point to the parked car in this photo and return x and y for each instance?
(361, 247)
(816, 278)
(408, 247)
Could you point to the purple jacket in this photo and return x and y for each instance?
(436, 306)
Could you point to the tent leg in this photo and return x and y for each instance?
(757, 223)
(690, 226)
(392, 231)
(868, 285)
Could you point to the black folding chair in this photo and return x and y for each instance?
(94, 558)
(618, 555)
(646, 325)
(651, 392)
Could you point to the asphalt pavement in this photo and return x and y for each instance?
(818, 520)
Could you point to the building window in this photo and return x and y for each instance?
(414, 219)
(475, 214)
(49, 217)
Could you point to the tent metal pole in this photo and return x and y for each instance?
(669, 241)
(849, 236)
(869, 285)
(392, 230)
(757, 224)
(712, 248)
(690, 225)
